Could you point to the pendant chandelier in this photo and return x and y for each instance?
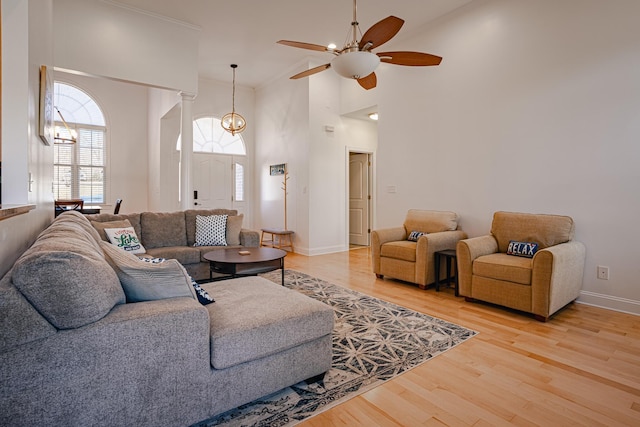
(233, 122)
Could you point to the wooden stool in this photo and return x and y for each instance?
(279, 238)
(449, 255)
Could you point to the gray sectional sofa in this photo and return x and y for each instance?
(74, 353)
(173, 234)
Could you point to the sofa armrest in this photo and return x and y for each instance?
(384, 235)
(557, 277)
(467, 251)
(249, 238)
(380, 237)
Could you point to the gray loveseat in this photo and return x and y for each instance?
(173, 234)
(74, 353)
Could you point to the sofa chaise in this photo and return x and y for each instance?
(73, 352)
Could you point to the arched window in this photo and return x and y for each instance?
(79, 168)
(210, 137)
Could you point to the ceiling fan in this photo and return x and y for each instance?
(356, 61)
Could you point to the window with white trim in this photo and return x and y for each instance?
(210, 137)
(79, 168)
(239, 182)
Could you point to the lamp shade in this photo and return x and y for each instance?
(355, 65)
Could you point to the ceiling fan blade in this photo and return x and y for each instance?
(303, 45)
(381, 32)
(415, 59)
(311, 71)
(368, 82)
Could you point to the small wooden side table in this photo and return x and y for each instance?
(278, 238)
(449, 255)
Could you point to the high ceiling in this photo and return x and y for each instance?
(245, 32)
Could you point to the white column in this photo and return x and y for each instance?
(186, 151)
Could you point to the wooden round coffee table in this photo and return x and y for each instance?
(232, 263)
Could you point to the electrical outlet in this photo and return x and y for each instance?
(603, 272)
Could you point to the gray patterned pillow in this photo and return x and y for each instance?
(211, 230)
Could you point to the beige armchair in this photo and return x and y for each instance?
(395, 256)
(540, 285)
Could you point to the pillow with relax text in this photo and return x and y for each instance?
(125, 238)
(523, 249)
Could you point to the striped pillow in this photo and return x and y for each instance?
(145, 281)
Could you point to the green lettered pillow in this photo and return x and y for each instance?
(101, 226)
(125, 238)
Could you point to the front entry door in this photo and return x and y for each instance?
(359, 199)
(212, 178)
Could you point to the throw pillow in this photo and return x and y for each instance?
(125, 238)
(100, 226)
(524, 249)
(148, 281)
(203, 296)
(234, 225)
(415, 235)
(211, 230)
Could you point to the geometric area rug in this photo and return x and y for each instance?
(373, 341)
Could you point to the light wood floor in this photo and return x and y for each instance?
(580, 368)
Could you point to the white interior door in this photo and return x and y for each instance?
(359, 199)
(212, 181)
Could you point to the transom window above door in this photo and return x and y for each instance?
(210, 137)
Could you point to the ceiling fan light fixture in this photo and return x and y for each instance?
(233, 122)
(355, 64)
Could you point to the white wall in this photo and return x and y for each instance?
(282, 136)
(26, 35)
(125, 44)
(291, 117)
(535, 108)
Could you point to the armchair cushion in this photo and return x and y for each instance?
(402, 249)
(504, 267)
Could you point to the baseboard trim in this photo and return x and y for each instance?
(609, 302)
(320, 251)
